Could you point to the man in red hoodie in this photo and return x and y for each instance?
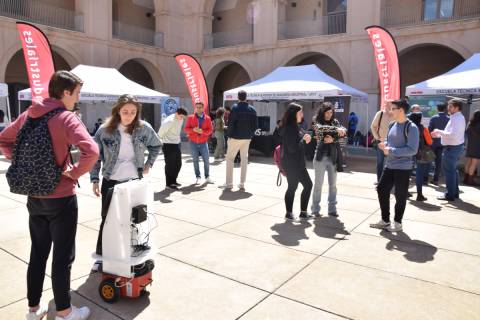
(199, 128)
(53, 218)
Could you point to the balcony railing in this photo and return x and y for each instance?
(228, 38)
(41, 13)
(411, 16)
(330, 24)
(137, 34)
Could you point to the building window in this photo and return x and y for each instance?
(437, 9)
(336, 6)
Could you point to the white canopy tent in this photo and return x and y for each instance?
(106, 84)
(461, 80)
(296, 83)
(304, 83)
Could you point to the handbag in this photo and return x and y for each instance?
(425, 154)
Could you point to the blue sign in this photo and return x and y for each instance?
(169, 106)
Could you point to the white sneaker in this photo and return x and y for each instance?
(209, 180)
(77, 314)
(39, 314)
(198, 180)
(380, 225)
(226, 186)
(395, 227)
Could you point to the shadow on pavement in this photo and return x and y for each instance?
(415, 250)
(330, 227)
(290, 233)
(424, 205)
(228, 195)
(162, 196)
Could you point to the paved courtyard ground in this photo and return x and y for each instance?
(231, 255)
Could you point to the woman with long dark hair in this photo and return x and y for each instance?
(122, 140)
(328, 157)
(293, 160)
(472, 158)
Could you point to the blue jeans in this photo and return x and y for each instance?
(320, 167)
(196, 150)
(438, 162)
(380, 163)
(451, 156)
(420, 171)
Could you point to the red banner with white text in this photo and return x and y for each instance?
(38, 59)
(386, 58)
(194, 78)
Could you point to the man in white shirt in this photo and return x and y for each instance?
(169, 134)
(452, 139)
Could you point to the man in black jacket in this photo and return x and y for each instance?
(241, 128)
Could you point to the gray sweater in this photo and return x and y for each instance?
(402, 150)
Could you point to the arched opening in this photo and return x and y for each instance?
(322, 61)
(17, 79)
(228, 75)
(420, 63)
(136, 71)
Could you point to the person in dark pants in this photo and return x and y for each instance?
(53, 218)
(399, 148)
(122, 141)
(293, 160)
(438, 121)
(169, 134)
(422, 164)
(472, 157)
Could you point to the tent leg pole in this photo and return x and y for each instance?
(9, 113)
(18, 109)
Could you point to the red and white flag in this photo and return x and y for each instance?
(38, 59)
(386, 57)
(194, 78)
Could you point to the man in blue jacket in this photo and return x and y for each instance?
(438, 121)
(241, 129)
(400, 147)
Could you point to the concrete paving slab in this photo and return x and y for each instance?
(200, 212)
(449, 238)
(179, 292)
(259, 264)
(278, 308)
(410, 257)
(363, 293)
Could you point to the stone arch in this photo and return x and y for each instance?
(224, 76)
(15, 74)
(424, 61)
(154, 72)
(324, 61)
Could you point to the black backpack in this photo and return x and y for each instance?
(34, 171)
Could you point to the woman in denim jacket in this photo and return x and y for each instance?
(122, 141)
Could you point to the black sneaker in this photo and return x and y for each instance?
(177, 184)
(305, 215)
(333, 214)
(173, 187)
(420, 197)
(409, 195)
(289, 216)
